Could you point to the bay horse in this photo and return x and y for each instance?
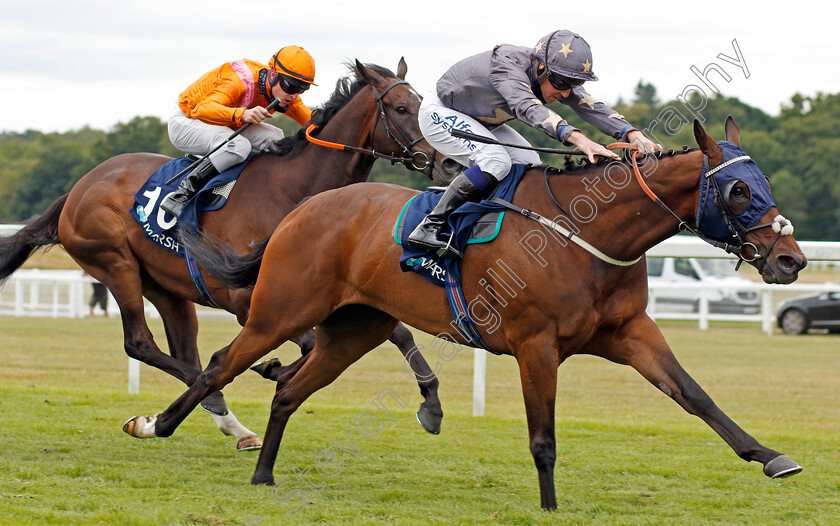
(333, 263)
(371, 115)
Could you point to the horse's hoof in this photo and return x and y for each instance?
(266, 367)
(214, 403)
(248, 443)
(429, 421)
(141, 426)
(264, 480)
(781, 467)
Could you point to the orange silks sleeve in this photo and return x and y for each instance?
(215, 98)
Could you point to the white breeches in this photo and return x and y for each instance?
(435, 122)
(199, 138)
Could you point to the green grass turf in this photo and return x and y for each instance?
(626, 454)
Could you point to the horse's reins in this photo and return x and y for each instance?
(383, 114)
(568, 234)
(780, 225)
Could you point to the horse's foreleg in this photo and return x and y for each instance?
(538, 374)
(430, 413)
(224, 366)
(181, 325)
(272, 368)
(645, 349)
(305, 341)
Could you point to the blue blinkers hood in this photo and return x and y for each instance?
(710, 218)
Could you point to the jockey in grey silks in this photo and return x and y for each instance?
(481, 93)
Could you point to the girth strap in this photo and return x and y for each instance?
(198, 280)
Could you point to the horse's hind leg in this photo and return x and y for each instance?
(96, 236)
(644, 348)
(341, 340)
(278, 318)
(121, 275)
(430, 413)
(181, 325)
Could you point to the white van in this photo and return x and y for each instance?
(727, 299)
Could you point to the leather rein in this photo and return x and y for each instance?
(416, 160)
(780, 225)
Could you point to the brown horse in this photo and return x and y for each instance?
(375, 111)
(557, 299)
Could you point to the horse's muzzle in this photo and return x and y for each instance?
(783, 269)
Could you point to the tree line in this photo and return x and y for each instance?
(798, 149)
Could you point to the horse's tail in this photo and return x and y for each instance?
(221, 261)
(41, 231)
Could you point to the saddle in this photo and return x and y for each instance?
(470, 224)
(157, 224)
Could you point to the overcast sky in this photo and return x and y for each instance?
(69, 64)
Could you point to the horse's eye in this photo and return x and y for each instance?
(739, 197)
(402, 109)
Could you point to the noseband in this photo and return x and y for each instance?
(417, 160)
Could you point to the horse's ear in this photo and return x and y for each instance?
(707, 145)
(733, 134)
(368, 75)
(402, 69)
(361, 71)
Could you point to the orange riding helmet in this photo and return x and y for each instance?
(294, 67)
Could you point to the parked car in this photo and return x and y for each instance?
(811, 311)
(726, 299)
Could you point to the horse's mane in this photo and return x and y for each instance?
(345, 89)
(582, 166)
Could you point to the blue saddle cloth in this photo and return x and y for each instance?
(461, 223)
(159, 225)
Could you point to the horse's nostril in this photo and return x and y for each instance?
(790, 263)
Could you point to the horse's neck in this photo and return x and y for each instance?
(614, 213)
(317, 168)
(351, 126)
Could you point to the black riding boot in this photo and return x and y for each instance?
(190, 185)
(458, 192)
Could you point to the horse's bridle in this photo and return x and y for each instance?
(780, 225)
(385, 116)
(409, 158)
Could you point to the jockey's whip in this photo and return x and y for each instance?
(490, 140)
(270, 107)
